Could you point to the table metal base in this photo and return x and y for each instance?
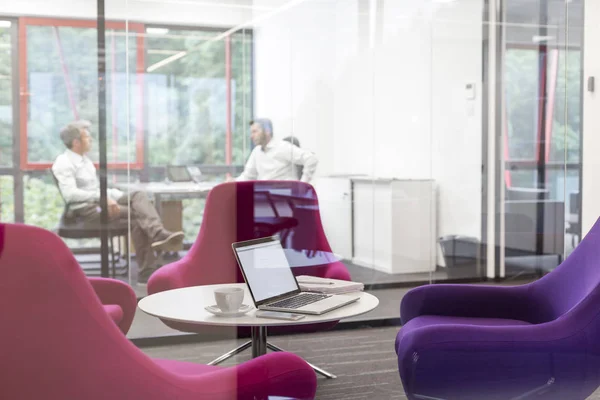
(259, 346)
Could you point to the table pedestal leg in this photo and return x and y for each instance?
(314, 367)
(259, 341)
(230, 354)
(259, 348)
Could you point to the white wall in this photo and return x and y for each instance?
(591, 119)
(386, 100)
(456, 156)
(211, 13)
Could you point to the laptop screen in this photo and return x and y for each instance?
(178, 173)
(267, 271)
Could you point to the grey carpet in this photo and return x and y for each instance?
(363, 360)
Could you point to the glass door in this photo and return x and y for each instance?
(7, 137)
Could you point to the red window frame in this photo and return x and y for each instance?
(138, 28)
(545, 71)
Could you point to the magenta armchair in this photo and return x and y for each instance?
(57, 342)
(231, 214)
(118, 300)
(238, 211)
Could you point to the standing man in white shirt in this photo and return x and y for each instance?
(80, 187)
(274, 159)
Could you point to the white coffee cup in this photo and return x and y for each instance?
(229, 298)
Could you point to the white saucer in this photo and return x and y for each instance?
(238, 313)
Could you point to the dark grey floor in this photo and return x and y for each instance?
(370, 276)
(363, 360)
(363, 357)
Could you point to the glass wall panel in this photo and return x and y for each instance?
(423, 159)
(7, 202)
(67, 90)
(542, 148)
(6, 92)
(392, 143)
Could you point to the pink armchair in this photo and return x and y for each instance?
(118, 299)
(237, 211)
(57, 342)
(231, 214)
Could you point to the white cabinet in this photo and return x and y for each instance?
(335, 206)
(385, 224)
(394, 225)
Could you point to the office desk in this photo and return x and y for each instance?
(168, 198)
(163, 191)
(187, 305)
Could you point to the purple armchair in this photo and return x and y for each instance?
(540, 340)
(57, 342)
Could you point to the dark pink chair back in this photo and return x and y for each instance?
(57, 342)
(232, 213)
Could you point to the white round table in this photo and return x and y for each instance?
(187, 305)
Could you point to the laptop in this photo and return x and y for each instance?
(273, 286)
(178, 173)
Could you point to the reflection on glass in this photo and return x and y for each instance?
(567, 123)
(7, 202)
(66, 89)
(192, 77)
(521, 102)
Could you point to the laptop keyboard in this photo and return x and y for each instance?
(299, 300)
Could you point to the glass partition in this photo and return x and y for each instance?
(427, 130)
(543, 119)
(392, 143)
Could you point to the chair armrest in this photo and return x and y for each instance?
(112, 291)
(477, 301)
(168, 277)
(276, 374)
(337, 270)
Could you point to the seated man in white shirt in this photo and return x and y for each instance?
(80, 187)
(274, 159)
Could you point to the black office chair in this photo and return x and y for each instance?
(77, 228)
(268, 220)
(299, 168)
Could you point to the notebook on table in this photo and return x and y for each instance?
(272, 284)
(330, 286)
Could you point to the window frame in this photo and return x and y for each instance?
(23, 24)
(550, 66)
